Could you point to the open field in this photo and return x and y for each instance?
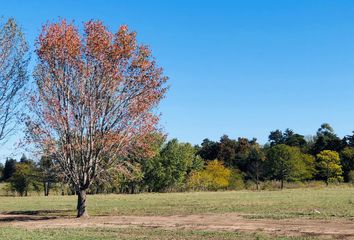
(301, 213)
(330, 202)
(133, 234)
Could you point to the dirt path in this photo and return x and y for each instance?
(343, 229)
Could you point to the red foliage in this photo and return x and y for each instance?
(95, 97)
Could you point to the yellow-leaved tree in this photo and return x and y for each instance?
(215, 176)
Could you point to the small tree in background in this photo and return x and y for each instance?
(94, 99)
(215, 176)
(1, 172)
(326, 139)
(23, 178)
(255, 163)
(328, 163)
(47, 173)
(347, 161)
(287, 163)
(172, 166)
(288, 138)
(9, 168)
(208, 149)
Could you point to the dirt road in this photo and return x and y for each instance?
(343, 229)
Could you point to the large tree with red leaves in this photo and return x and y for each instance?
(94, 100)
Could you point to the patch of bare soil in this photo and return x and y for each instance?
(342, 229)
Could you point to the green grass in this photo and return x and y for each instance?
(296, 203)
(330, 202)
(129, 234)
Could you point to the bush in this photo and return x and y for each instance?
(351, 176)
(214, 177)
(236, 180)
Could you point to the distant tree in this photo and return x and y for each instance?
(307, 167)
(294, 139)
(326, 139)
(14, 60)
(9, 168)
(215, 176)
(347, 161)
(288, 138)
(349, 140)
(351, 176)
(171, 167)
(47, 173)
(276, 137)
(227, 151)
(24, 159)
(23, 178)
(236, 180)
(255, 164)
(286, 163)
(329, 167)
(128, 176)
(208, 150)
(131, 183)
(132, 179)
(243, 149)
(1, 172)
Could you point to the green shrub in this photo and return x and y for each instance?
(351, 176)
(236, 180)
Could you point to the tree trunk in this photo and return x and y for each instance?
(46, 189)
(81, 204)
(282, 184)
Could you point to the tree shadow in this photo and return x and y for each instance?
(36, 215)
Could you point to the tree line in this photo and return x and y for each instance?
(212, 165)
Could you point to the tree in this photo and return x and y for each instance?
(47, 173)
(9, 168)
(276, 137)
(255, 163)
(349, 140)
(172, 166)
(328, 163)
(243, 149)
(14, 60)
(23, 178)
(209, 150)
(294, 139)
(326, 139)
(94, 99)
(288, 138)
(227, 151)
(1, 172)
(215, 176)
(24, 159)
(287, 163)
(347, 161)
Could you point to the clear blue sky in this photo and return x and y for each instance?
(242, 68)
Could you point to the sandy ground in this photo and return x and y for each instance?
(342, 229)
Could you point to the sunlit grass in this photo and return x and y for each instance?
(130, 234)
(329, 202)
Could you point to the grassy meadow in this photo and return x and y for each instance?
(329, 203)
(333, 202)
(132, 234)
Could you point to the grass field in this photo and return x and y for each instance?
(330, 202)
(131, 234)
(324, 203)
